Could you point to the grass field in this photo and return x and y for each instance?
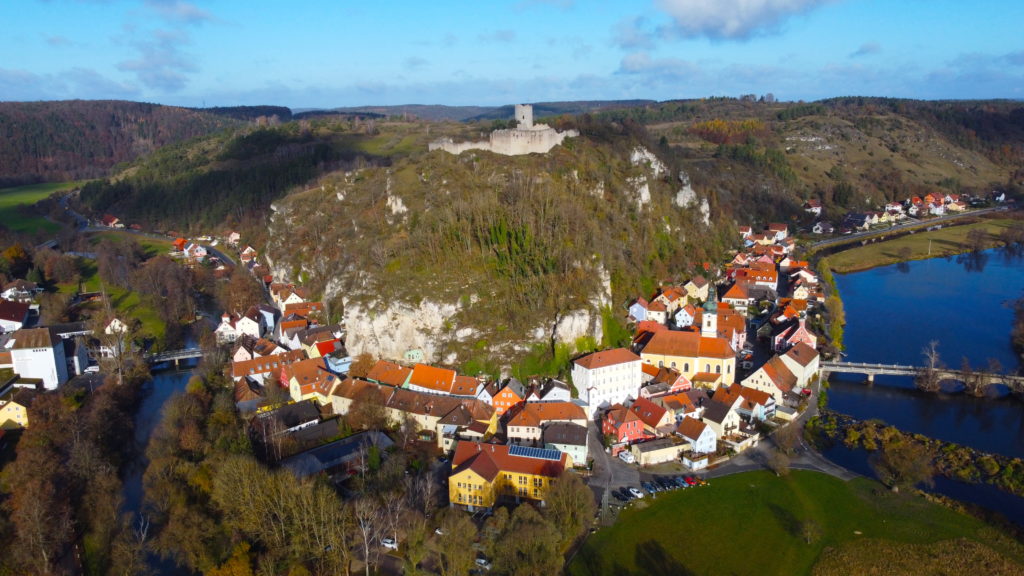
(126, 304)
(757, 523)
(945, 242)
(150, 246)
(13, 198)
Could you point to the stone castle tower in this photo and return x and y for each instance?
(524, 116)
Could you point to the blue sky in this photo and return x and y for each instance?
(326, 53)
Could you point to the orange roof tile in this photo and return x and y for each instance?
(434, 378)
(691, 428)
(607, 358)
(389, 373)
(688, 345)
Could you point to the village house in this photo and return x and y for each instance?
(657, 312)
(790, 333)
(13, 315)
(509, 396)
(803, 362)
(552, 391)
(699, 434)
(525, 422)
(623, 426)
(822, 227)
(684, 316)
(774, 377)
(486, 474)
(569, 438)
(656, 451)
(697, 288)
(20, 290)
(722, 418)
(39, 353)
(607, 377)
(657, 420)
(813, 206)
(261, 368)
(14, 404)
(638, 310)
(309, 379)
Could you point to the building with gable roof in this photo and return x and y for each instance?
(774, 377)
(486, 474)
(572, 439)
(691, 353)
(39, 353)
(607, 377)
(525, 423)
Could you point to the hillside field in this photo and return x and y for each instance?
(12, 199)
(802, 523)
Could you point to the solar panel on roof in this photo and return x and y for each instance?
(529, 452)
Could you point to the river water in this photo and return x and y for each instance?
(161, 388)
(892, 313)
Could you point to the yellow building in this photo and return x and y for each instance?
(14, 408)
(691, 354)
(484, 474)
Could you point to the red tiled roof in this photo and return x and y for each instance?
(536, 413)
(433, 378)
(650, 413)
(688, 344)
(388, 373)
(607, 358)
(488, 460)
(691, 428)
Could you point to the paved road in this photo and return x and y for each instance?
(901, 227)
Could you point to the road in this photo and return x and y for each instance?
(900, 227)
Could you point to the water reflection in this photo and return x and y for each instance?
(973, 261)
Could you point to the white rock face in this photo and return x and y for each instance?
(705, 211)
(396, 205)
(641, 156)
(642, 191)
(390, 330)
(686, 195)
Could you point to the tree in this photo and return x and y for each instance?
(530, 545)
(903, 463)
(787, 438)
(368, 411)
(241, 291)
(367, 517)
(454, 556)
(928, 377)
(569, 506)
(361, 365)
(415, 548)
(810, 531)
(778, 462)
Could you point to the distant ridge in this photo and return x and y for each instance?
(476, 113)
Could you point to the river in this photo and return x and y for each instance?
(163, 385)
(962, 302)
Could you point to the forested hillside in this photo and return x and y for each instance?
(75, 140)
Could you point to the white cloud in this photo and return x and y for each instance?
(633, 33)
(732, 19)
(161, 64)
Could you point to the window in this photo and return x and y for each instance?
(707, 367)
(686, 367)
(718, 369)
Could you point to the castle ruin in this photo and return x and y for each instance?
(525, 138)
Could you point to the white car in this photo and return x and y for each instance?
(483, 563)
(389, 543)
(627, 457)
(635, 492)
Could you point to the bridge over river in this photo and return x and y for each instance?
(977, 381)
(175, 356)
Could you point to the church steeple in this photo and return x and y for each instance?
(709, 318)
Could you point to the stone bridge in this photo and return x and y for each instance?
(980, 381)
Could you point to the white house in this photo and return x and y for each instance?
(195, 251)
(39, 353)
(607, 377)
(701, 437)
(226, 332)
(684, 316)
(552, 391)
(802, 361)
(13, 315)
(774, 377)
(638, 310)
(250, 323)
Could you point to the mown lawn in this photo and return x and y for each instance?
(757, 523)
(11, 199)
(945, 242)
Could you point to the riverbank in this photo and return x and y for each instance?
(947, 241)
(804, 522)
(950, 460)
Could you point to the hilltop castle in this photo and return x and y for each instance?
(525, 138)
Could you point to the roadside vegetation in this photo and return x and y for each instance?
(800, 523)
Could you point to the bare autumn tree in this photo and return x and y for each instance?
(569, 506)
(368, 411)
(368, 521)
(453, 556)
(928, 377)
(241, 291)
(361, 366)
(903, 464)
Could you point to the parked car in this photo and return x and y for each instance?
(746, 364)
(620, 496)
(681, 482)
(691, 480)
(650, 488)
(635, 493)
(389, 543)
(483, 563)
(627, 457)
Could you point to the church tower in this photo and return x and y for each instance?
(709, 318)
